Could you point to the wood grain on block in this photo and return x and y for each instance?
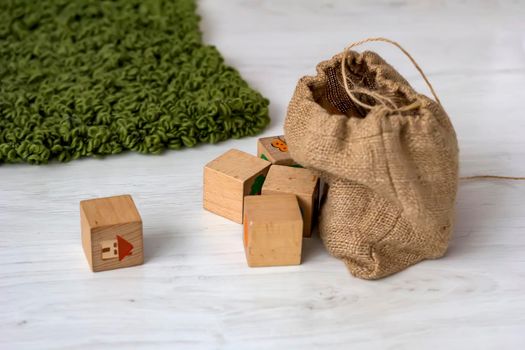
(275, 150)
(228, 179)
(111, 233)
(273, 229)
(300, 182)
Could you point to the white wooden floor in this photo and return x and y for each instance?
(195, 290)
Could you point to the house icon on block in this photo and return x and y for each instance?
(111, 233)
(114, 248)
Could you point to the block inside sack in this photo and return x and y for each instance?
(228, 179)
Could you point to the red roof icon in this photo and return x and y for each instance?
(124, 248)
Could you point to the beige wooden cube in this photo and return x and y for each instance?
(273, 230)
(228, 179)
(300, 182)
(111, 233)
(275, 150)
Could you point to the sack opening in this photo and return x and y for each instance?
(333, 97)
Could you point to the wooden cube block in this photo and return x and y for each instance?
(275, 150)
(273, 230)
(228, 179)
(299, 181)
(111, 233)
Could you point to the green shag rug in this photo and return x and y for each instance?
(92, 77)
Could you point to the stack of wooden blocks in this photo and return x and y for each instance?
(273, 197)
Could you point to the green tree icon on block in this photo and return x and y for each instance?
(257, 185)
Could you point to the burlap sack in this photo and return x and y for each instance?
(392, 174)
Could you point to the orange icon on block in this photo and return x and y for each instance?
(280, 145)
(114, 248)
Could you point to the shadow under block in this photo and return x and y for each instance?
(228, 179)
(273, 230)
(275, 150)
(111, 233)
(300, 182)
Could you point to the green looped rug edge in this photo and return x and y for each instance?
(93, 78)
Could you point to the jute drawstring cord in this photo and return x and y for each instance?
(491, 177)
(378, 97)
(383, 100)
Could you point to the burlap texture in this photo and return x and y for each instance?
(392, 176)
